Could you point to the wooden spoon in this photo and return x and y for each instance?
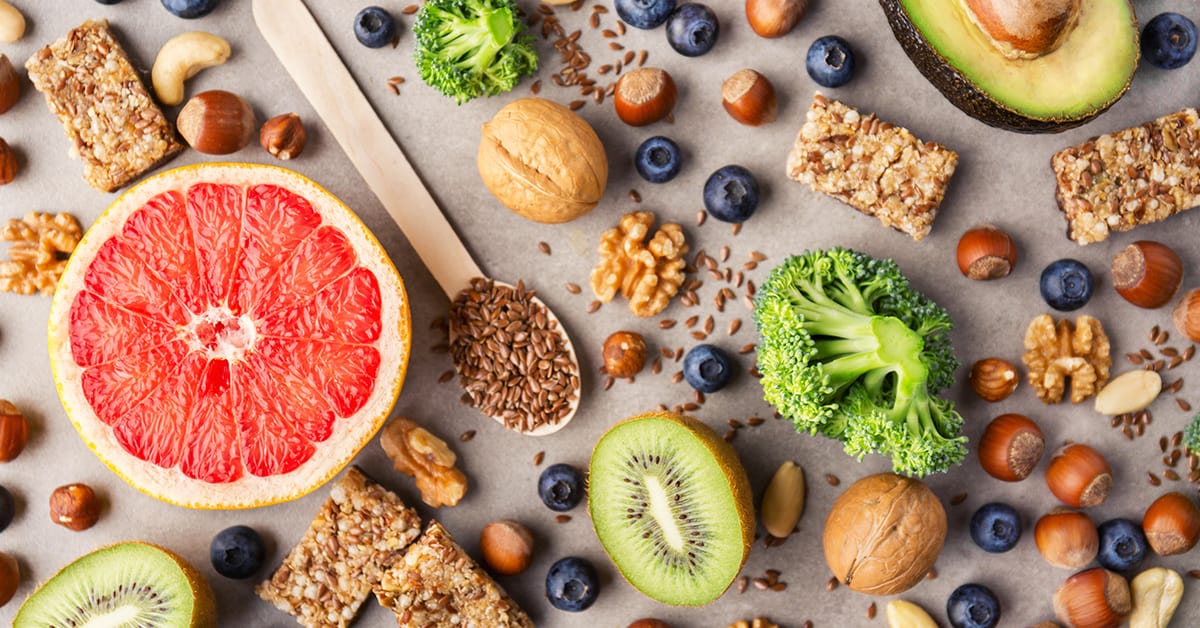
(312, 62)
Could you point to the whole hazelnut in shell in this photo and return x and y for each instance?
(542, 161)
(884, 533)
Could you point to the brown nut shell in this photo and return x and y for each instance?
(10, 84)
(14, 431)
(1095, 598)
(1067, 538)
(749, 98)
(649, 622)
(542, 161)
(986, 252)
(74, 506)
(624, 353)
(1079, 476)
(10, 577)
(1186, 315)
(644, 96)
(1147, 273)
(993, 379)
(884, 533)
(507, 546)
(283, 136)
(217, 122)
(774, 18)
(1172, 524)
(1010, 448)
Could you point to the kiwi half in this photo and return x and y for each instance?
(128, 585)
(671, 504)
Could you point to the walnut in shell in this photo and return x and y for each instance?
(1055, 353)
(648, 274)
(542, 161)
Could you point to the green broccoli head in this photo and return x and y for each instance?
(1191, 435)
(849, 350)
(469, 48)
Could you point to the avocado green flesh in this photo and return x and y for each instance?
(1086, 74)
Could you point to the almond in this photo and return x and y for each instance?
(1129, 392)
(783, 501)
(905, 614)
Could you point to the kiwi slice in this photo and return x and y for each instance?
(671, 504)
(128, 585)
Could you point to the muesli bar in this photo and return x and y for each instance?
(359, 532)
(875, 167)
(438, 584)
(1132, 177)
(105, 110)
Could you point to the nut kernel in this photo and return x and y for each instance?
(1156, 594)
(1129, 392)
(905, 614)
(624, 354)
(417, 453)
(994, 379)
(283, 136)
(783, 501)
(181, 58)
(74, 506)
(14, 431)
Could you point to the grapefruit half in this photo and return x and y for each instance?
(228, 336)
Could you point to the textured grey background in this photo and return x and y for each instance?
(1002, 178)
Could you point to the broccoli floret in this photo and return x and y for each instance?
(1191, 435)
(468, 48)
(850, 351)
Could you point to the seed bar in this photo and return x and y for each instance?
(1132, 177)
(875, 167)
(106, 112)
(357, 534)
(438, 584)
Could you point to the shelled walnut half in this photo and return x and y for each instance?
(41, 245)
(648, 274)
(416, 452)
(1056, 352)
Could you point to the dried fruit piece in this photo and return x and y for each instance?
(648, 274)
(1057, 352)
(417, 453)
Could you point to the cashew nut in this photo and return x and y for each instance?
(12, 23)
(181, 58)
(1156, 594)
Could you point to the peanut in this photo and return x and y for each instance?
(1129, 392)
(783, 501)
(1156, 594)
(905, 614)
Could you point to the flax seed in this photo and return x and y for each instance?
(1183, 405)
(634, 196)
(734, 326)
(620, 28)
(466, 436)
(612, 45)
(754, 421)
(832, 479)
(562, 518)
(1175, 361)
(1154, 333)
(595, 20)
(1189, 352)
(832, 583)
(708, 324)
(593, 306)
(1145, 353)
(446, 376)
(1134, 359)
(538, 458)
(747, 348)
(410, 9)
(1162, 443)
(736, 228)
(656, 366)
(871, 611)
(573, 288)
(642, 54)
(958, 499)
(576, 105)
(729, 435)
(677, 377)
(743, 582)
(699, 335)
(931, 574)
(1194, 574)
(1170, 474)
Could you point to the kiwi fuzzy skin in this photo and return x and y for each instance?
(726, 457)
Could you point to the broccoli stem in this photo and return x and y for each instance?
(474, 43)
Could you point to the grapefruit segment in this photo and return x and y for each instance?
(228, 336)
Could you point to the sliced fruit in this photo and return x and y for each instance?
(228, 336)
(1028, 71)
(128, 584)
(671, 504)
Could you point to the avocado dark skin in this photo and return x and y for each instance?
(961, 92)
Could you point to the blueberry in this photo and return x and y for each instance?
(707, 368)
(1169, 41)
(1122, 544)
(374, 27)
(237, 552)
(996, 527)
(644, 14)
(189, 9)
(108, 1)
(1066, 285)
(973, 606)
(692, 29)
(657, 159)
(572, 584)
(561, 487)
(8, 508)
(731, 194)
(830, 61)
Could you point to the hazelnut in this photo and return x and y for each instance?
(749, 98)
(986, 252)
(8, 163)
(774, 18)
(649, 622)
(1067, 538)
(507, 546)
(217, 122)
(10, 84)
(10, 577)
(1147, 274)
(1172, 524)
(1095, 598)
(74, 506)
(1011, 447)
(993, 379)
(624, 354)
(1079, 476)
(644, 96)
(1186, 315)
(283, 136)
(14, 431)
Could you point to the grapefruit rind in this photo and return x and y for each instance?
(350, 434)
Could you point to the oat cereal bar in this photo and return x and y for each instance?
(1133, 177)
(105, 110)
(873, 166)
(357, 534)
(438, 584)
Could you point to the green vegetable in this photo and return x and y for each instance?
(849, 350)
(468, 48)
(1191, 435)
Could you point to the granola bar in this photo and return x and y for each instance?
(105, 110)
(438, 584)
(1132, 177)
(875, 167)
(357, 534)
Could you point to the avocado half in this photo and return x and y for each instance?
(1084, 76)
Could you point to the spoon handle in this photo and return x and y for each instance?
(312, 62)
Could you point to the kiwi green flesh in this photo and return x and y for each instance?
(131, 585)
(663, 508)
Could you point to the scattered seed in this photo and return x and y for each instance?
(778, 586)
(699, 397)
(576, 105)
(562, 518)
(1176, 385)
(642, 54)
(667, 323)
(608, 383)
(1175, 361)
(593, 306)
(1154, 333)
(678, 353)
(573, 288)
(871, 610)
(756, 256)
(1128, 432)
(724, 253)
(734, 326)
(621, 29)
(734, 423)
(600, 8)
(808, 623)
(958, 499)
(410, 9)
(445, 377)
(608, 33)
(656, 366)
(1154, 481)
(931, 574)
(832, 479)
(595, 20)
(1162, 443)
(701, 217)
(749, 265)
(1176, 439)
(1145, 353)
(677, 377)
(538, 458)
(736, 228)
(544, 248)
(1194, 573)
(1134, 358)
(1189, 352)
(708, 324)
(755, 421)
(746, 348)
(831, 583)
(1170, 352)
(1170, 474)
(761, 584)
(466, 436)
(1183, 405)
(743, 582)
(634, 196)
(729, 435)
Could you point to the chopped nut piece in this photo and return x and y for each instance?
(41, 245)
(438, 584)
(1054, 353)
(417, 453)
(358, 533)
(105, 110)
(649, 275)
(757, 622)
(873, 166)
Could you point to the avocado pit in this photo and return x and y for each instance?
(1024, 29)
